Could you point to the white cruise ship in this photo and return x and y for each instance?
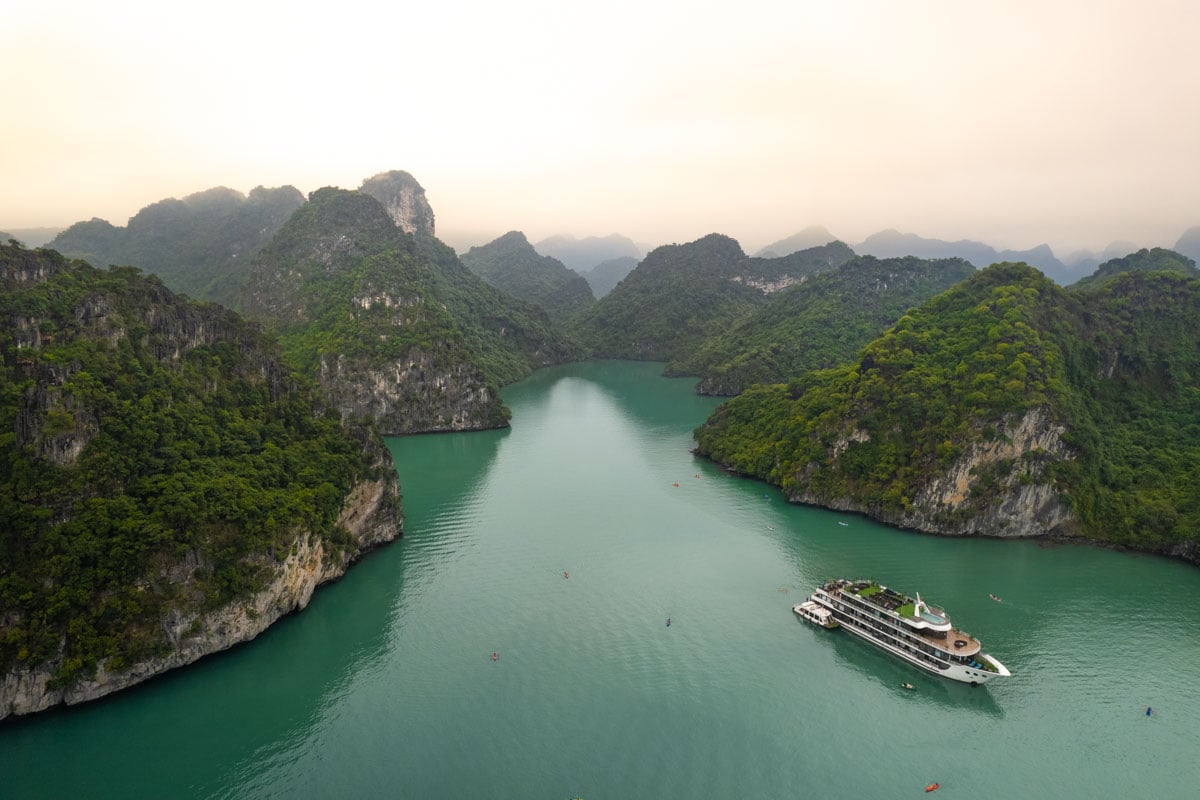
(909, 628)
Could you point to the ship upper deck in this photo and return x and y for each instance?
(942, 635)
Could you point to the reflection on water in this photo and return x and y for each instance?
(878, 666)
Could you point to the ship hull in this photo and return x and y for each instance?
(955, 672)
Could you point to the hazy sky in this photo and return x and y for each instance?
(1073, 123)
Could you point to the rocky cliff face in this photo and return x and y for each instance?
(994, 488)
(370, 515)
(403, 199)
(359, 307)
(417, 394)
(120, 395)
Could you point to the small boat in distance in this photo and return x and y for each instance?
(816, 614)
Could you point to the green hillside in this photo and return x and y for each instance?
(1144, 260)
(510, 263)
(509, 338)
(156, 456)
(1109, 379)
(819, 323)
(356, 306)
(680, 295)
(201, 245)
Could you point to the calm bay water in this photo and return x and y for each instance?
(386, 687)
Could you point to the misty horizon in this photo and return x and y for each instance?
(464, 238)
(1015, 126)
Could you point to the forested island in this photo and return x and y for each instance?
(170, 487)
(1006, 406)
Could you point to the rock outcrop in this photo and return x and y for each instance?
(171, 490)
(994, 488)
(369, 515)
(1004, 406)
(360, 307)
(418, 394)
(403, 199)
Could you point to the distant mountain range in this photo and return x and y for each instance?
(812, 236)
(582, 255)
(894, 244)
(605, 276)
(512, 264)
(1189, 244)
(31, 237)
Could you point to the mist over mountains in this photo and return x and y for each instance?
(582, 255)
(891, 243)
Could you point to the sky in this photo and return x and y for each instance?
(1010, 122)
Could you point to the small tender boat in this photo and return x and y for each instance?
(816, 614)
(906, 685)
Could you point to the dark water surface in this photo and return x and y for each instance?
(386, 687)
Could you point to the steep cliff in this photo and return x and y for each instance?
(403, 199)
(356, 306)
(1005, 406)
(169, 489)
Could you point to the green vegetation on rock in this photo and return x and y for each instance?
(1108, 380)
(356, 306)
(510, 263)
(819, 323)
(681, 295)
(508, 338)
(1157, 260)
(157, 458)
(201, 245)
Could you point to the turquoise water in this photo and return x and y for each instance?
(386, 687)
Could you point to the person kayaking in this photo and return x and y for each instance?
(907, 685)
(933, 787)
(565, 575)
(668, 622)
(495, 655)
